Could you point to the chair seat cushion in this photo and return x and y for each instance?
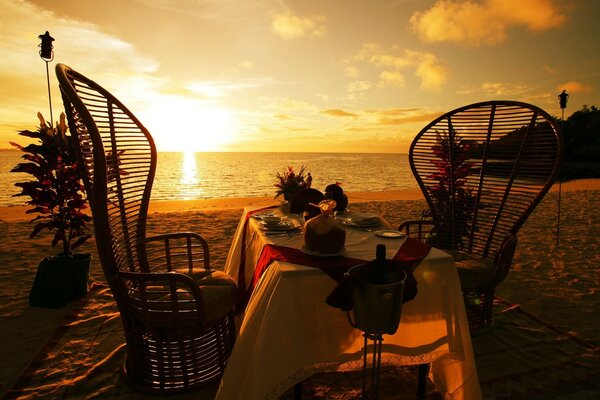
(218, 290)
(474, 272)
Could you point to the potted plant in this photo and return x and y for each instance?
(57, 195)
(289, 183)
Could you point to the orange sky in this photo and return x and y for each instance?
(303, 75)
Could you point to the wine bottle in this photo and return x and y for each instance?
(378, 276)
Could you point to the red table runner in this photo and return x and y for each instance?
(407, 257)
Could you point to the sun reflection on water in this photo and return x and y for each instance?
(188, 168)
(190, 187)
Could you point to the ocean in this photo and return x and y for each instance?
(182, 176)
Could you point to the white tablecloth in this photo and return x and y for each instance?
(288, 332)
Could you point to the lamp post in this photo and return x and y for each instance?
(47, 55)
(562, 101)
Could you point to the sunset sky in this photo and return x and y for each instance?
(299, 75)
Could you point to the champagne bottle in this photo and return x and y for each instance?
(379, 271)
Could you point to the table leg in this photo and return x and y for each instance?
(423, 372)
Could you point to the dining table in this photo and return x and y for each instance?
(287, 332)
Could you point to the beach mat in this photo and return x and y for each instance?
(519, 357)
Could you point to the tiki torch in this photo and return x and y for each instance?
(47, 55)
(562, 101)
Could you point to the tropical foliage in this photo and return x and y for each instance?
(454, 203)
(56, 193)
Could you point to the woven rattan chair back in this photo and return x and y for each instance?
(171, 346)
(119, 156)
(482, 169)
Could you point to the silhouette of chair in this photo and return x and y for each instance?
(178, 320)
(482, 169)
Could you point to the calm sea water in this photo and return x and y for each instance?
(218, 175)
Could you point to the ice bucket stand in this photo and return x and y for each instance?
(377, 310)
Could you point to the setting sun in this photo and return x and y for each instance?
(181, 124)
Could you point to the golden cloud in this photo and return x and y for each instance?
(289, 26)
(495, 89)
(574, 87)
(352, 71)
(502, 89)
(392, 78)
(358, 86)
(336, 112)
(286, 105)
(401, 116)
(430, 71)
(474, 24)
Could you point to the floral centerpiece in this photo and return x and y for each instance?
(57, 195)
(289, 183)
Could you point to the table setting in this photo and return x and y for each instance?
(293, 323)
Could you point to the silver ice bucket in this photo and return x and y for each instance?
(378, 307)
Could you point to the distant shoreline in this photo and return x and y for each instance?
(17, 213)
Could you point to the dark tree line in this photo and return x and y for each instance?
(581, 135)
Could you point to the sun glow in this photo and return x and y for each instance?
(187, 125)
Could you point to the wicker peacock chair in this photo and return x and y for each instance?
(482, 169)
(178, 321)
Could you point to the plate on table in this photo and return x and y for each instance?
(283, 225)
(360, 220)
(317, 254)
(389, 234)
(263, 215)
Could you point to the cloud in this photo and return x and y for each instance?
(236, 11)
(286, 105)
(289, 26)
(394, 61)
(495, 89)
(352, 72)
(574, 87)
(223, 88)
(503, 89)
(549, 70)
(392, 78)
(83, 46)
(336, 112)
(358, 86)
(475, 23)
(401, 116)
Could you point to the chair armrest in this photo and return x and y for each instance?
(504, 257)
(164, 301)
(179, 251)
(421, 229)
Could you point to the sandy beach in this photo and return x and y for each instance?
(556, 283)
